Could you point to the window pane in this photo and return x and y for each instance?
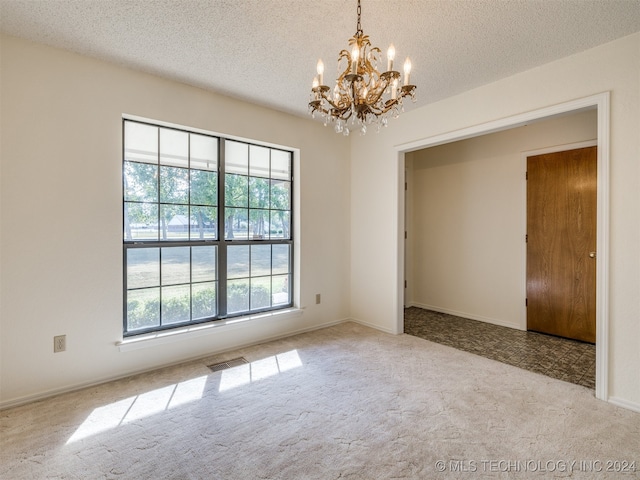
(143, 308)
(175, 264)
(260, 293)
(279, 224)
(236, 190)
(238, 261)
(204, 152)
(204, 187)
(280, 195)
(174, 185)
(258, 192)
(281, 164)
(203, 223)
(174, 222)
(237, 296)
(203, 264)
(258, 161)
(260, 260)
(236, 157)
(281, 259)
(203, 300)
(140, 182)
(280, 287)
(236, 224)
(174, 148)
(143, 267)
(258, 227)
(140, 142)
(176, 304)
(140, 221)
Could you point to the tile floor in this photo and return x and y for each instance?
(560, 358)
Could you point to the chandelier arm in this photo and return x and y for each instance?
(380, 92)
(318, 106)
(387, 107)
(407, 90)
(376, 110)
(335, 111)
(330, 102)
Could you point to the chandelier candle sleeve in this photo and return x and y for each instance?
(361, 93)
(354, 59)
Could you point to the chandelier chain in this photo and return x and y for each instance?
(359, 27)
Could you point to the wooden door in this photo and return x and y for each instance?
(561, 243)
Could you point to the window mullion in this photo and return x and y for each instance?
(159, 232)
(222, 250)
(160, 250)
(158, 189)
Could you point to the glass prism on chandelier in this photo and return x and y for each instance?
(361, 94)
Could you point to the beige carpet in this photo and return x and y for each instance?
(345, 402)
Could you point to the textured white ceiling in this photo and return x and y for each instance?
(265, 51)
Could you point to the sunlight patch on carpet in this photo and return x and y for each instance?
(259, 369)
(140, 406)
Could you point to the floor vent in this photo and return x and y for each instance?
(228, 364)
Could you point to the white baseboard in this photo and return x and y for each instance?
(621, 402)
(16, 402)
(372, 325)
(470, 316)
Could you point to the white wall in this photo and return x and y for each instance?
(61, 216)
(467, 225)
(376, 185)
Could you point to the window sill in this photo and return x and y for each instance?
(193, 331)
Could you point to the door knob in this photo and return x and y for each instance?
(592, 254)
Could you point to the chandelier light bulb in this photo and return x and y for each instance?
(391, 53)
(407, 70)
(315, 82)
(320, 70)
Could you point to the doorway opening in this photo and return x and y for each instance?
(599, 106)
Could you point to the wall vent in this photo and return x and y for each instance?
(228, 364)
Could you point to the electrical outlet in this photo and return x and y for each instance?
(59, 343)
(317, 298)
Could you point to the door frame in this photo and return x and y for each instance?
(601, 102)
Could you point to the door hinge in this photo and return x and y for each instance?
(526, 302)
(405, 185)
(526, 175)
(526, 238)
(405, 284)
(405, 234)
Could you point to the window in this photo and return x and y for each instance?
(207, 227)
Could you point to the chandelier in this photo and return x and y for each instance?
(361, 93)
